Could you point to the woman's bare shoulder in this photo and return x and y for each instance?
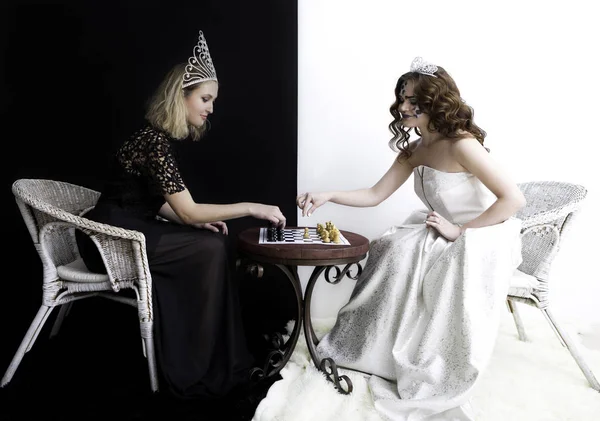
(414, 152)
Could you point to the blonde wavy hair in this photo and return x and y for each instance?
(167, 110)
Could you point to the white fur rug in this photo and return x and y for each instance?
(525, 381)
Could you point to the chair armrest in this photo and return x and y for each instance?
(544, 206)
(123, 251)
(540, 243)
(548, 217)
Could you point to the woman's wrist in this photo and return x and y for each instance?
(248, 208)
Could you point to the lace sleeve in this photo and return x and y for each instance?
(163, 167)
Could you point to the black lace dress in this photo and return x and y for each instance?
(200, 344)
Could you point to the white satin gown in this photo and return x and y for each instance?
(424, 315)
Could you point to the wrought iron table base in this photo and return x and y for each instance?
(282, 352)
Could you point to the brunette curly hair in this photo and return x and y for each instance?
(440, 98)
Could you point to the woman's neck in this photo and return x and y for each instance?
(428, 138)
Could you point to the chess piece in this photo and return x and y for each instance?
(306, 234)
(271, 234)
(336, 237)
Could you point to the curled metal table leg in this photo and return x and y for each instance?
(278, 357)
(282, 351)
(327, 365)
(309, 332)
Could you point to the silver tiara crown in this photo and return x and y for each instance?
(200, 66)
(421, 66)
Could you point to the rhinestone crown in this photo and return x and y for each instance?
(421, 66)
(200, 66)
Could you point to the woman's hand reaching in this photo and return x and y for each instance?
(268, 212)
(309, 202)
(448, 230)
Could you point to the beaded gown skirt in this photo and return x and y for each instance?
(423, 317)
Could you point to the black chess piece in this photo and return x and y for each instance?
(271, 234)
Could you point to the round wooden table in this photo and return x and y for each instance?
(287, 257)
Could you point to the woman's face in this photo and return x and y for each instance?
(200, 102)
(411, 115)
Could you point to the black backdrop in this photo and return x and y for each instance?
(75, 77)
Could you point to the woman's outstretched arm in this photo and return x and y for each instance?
(396, 175)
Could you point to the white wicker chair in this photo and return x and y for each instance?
(51, 210)
(551, 207)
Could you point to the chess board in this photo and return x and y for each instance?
(296, 236)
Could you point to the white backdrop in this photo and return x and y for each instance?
(528, 68)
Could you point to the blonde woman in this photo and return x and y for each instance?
(201, 346)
